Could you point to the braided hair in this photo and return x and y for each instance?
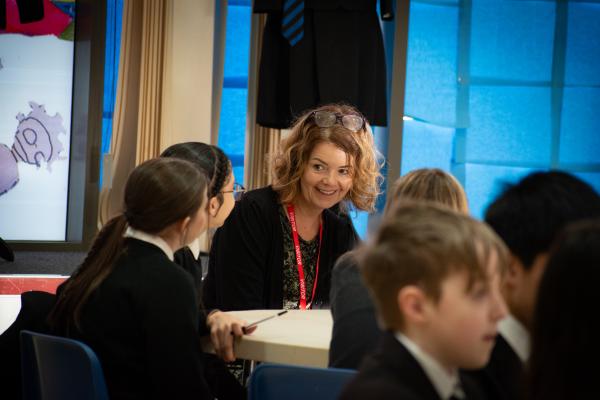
(209, 159)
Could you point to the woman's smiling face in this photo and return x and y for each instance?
(327, 177)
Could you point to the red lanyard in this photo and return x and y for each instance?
(302, 282)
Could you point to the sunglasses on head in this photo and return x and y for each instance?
(326, 119)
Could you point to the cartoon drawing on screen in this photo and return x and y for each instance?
(36, 142)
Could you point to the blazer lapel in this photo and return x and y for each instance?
(404, 366)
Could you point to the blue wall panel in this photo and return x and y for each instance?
(431, 68)
(583, 44)
(484, 182)
(509, 124)
(512, 40)
(426, 146)
(580, 128)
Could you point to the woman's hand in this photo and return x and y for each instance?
(223, 329)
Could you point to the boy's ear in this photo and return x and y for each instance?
(514, 272)
(411, 303)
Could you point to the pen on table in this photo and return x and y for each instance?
(245, 328)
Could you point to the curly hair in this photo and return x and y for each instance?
(291, 159)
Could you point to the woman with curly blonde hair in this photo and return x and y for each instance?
(278, 246)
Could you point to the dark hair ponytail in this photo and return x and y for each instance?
(96, 266)
(158, 193)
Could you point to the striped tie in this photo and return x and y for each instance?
(292, 20)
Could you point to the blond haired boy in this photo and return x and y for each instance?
(434, 276)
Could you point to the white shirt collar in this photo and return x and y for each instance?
(195, 248)
(517, 336)
(152, 239)
(444, 382)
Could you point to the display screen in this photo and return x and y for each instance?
(36, 80)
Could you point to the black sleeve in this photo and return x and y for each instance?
(186, 260)
(169, 317)
(238, 260)
(340, 237)
(355, 331)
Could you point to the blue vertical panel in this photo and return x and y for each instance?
(431, 63)
(360, 220)
(238, 173)
(512, 40)
(237, 40)
(426, 146)
(582, 64)
(232, 126)
(483, 183)
(232, 122)
(380, 136)
(580, 128)
(112, 47)
(509, 124)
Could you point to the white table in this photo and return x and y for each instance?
(9, 309)
(297, 338)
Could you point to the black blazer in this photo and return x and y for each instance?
(502, 377)
(245, 269)
(142, 322)
(355, 331)
(340, 59)
(393, 373)
(186, 260)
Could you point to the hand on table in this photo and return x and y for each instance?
(223, 329)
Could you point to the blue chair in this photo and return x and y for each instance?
(56, 368)
(272, 381)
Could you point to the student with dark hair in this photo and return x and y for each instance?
(222, 193)
(128, 300)
(351, 305)
(329, 157)
(222, 190)
(565, 348)
(434, 275)
(214, 164)
(528, 216)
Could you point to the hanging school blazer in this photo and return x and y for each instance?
(341, 58)
(246, 258)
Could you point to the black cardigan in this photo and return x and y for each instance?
(245, 269)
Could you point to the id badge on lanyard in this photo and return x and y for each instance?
(302, 282)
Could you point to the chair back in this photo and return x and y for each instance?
(56, 368)
(271, 381)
